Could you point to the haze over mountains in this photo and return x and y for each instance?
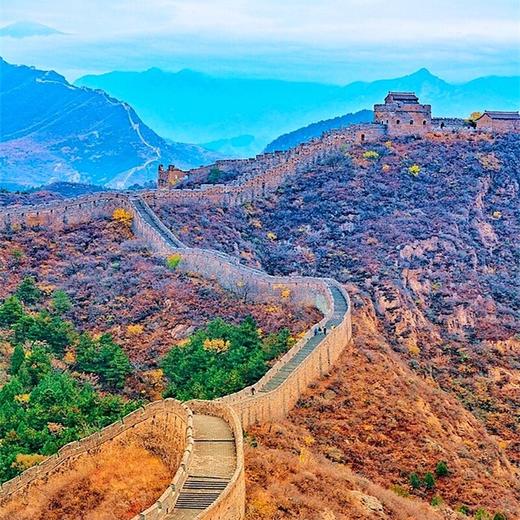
(27, 30)
(195, 107)
(54, 131)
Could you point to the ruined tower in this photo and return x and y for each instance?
(167, 179)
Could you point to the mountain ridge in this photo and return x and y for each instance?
(55, 131)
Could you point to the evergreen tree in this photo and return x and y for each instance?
(429, 481)
(61, 303)
(17, 359)
(11, 311)
(28, 292)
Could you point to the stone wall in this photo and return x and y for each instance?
(57, 214)
(271, 406)
(454, 124)
(262, 175)
(172, 420)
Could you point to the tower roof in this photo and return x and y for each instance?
(494, 114)
(403, 97)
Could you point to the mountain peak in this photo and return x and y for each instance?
(423, 74)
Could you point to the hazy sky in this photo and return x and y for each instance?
(328, 40)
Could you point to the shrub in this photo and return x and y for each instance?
(400, 491)
(371, 154)
(104, 358)
(50, 330)
(173, 261)
(499, 516)
(436, 501)
(441, 470)
(414, 170)
(17, 254)
(135, 330)
(220, 359)
(465, 510)
(214, 175)
(123, 217)
(17, 359)
(482, 514)
(25, 461)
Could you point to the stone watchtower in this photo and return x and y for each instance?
(402, 114)
(167, 179)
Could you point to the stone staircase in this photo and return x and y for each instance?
(212, 466)
(340, 307)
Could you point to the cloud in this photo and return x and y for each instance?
(324, 22)
(327, 40)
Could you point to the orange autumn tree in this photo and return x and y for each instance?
(123, 217)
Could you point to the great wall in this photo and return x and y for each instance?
(206, 436)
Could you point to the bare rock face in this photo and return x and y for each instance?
(371, 504)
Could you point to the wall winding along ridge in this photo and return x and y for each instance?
(280, 388)
(169, 417)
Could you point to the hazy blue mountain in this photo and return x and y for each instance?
(195, 107)
(239, 146)
(27, 29)
(53, 131)
(302, 135)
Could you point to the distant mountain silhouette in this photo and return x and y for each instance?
(302, 135)
(195, 107)
(53, 131)
(27, 29)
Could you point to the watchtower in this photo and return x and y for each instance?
(402, 114)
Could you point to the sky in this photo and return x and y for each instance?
(334, 41)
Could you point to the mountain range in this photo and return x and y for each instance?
(54, 131)
(191, 106)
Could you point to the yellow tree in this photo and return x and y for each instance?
(123, 216)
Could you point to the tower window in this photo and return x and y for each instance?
(397, 121)
(411, 121)
(362, 137)
(424, 122)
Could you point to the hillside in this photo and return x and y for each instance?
(194, 107)
(53, 131)
(431, 258)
